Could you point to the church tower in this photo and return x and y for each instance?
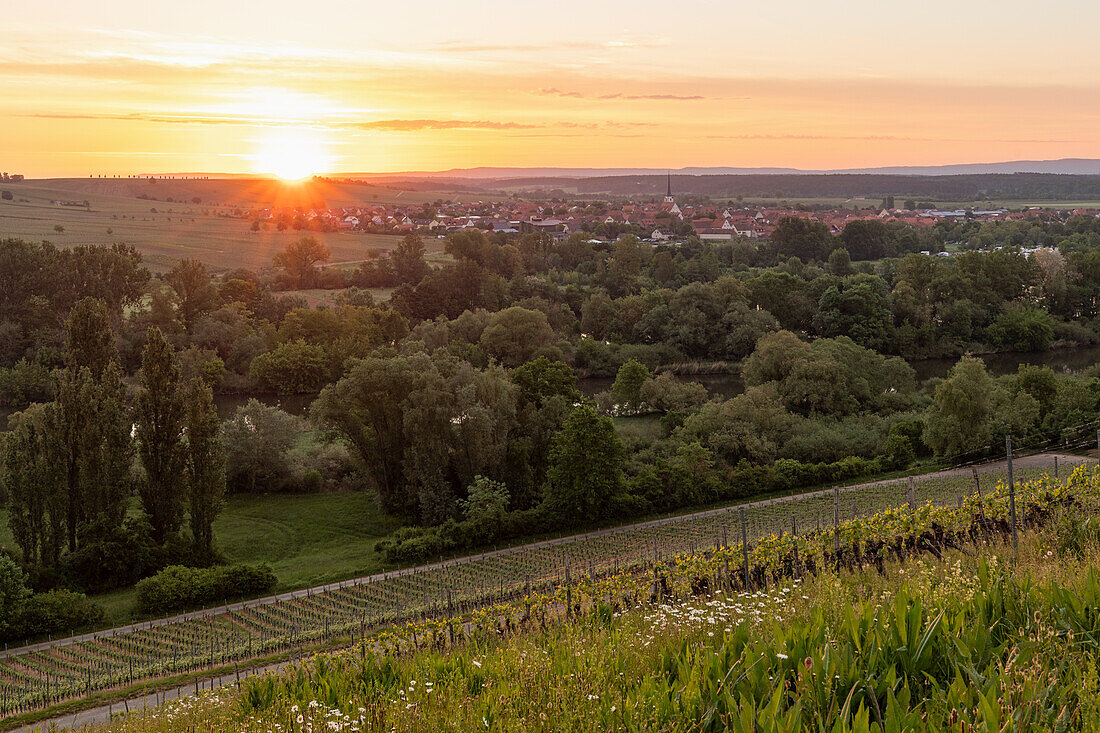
(670, 203)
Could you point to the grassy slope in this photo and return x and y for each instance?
(308, 540)
(667, 669)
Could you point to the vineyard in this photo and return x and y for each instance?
(814, 526)
(965, 629)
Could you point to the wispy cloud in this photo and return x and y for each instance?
(555, 92)
(408, 125)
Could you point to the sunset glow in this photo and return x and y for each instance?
(127, 88)
(291, 154)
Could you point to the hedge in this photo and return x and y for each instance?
(178, 587)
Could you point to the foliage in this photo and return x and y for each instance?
(177, 588)
(585, 476)
(13, 593)
(56, 611)
(626, 392)
(292, 367)
(161, 414)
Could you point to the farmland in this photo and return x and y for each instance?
(165, 232)
(332, 615)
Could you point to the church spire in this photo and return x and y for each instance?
(669, 191)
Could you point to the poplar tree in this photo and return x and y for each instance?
(160, 417)
(205, 468)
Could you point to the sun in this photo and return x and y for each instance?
(292, 154)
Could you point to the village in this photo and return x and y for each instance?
(655, 220)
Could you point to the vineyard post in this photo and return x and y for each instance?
(981, 499)
(836, 525)
(726, 555)
(568, 591)
(912, 498)
(1012, 488)
(744, 546)
(1055, 468)
(1098, 444)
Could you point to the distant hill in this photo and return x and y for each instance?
(1066, 166)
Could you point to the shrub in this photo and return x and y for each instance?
(177, 587)
(58, 611)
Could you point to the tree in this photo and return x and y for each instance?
(664, 268)
(92, 423)
(408, 259)
(795, 236)
(194, 290)
(300, 259)
(13, 592)
(515, 335)
(626, 392)
(959, 418)
(293, 367)
(33, 474)
(160, 416)
(1022, 327)
(625, 265)
(840, 263)
(205, 467)
(541, 379)
(857, 307)
(424, 427)
(774, 357)
(485, 503)
(585, 473)
(256, 440)
(865, 239)
(89, 341)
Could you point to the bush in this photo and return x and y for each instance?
(177, 587)
(1022, 328)
(58, 611)
(112, 557)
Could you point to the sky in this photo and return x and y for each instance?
(133, 87)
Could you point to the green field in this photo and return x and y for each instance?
(176, 231)
(307, 539)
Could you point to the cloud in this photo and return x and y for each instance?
(172, 119)
(409, 125)
(554, 92)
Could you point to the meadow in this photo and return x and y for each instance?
(31, 681)
(307, 539)
(948, 633)
(207, 230)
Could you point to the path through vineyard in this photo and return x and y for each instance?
(97, 715)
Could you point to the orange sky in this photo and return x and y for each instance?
(338, 85)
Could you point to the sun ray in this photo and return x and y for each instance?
(292, 153)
